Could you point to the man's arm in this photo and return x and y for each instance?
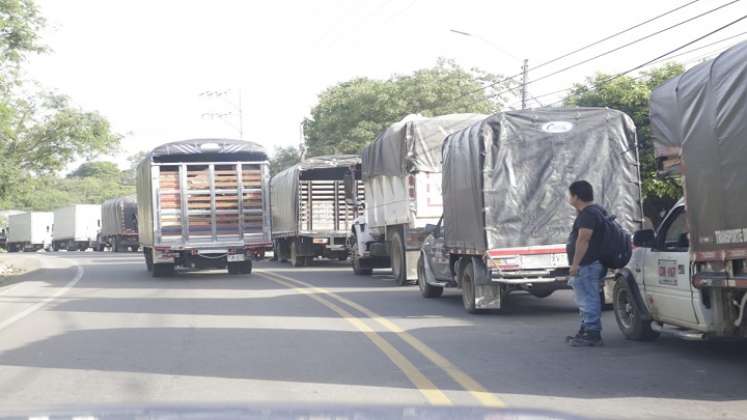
(582, 245)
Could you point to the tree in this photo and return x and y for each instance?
(284, 157)
(20, 24)
(351, 114)
(102, 170)
(631, 95)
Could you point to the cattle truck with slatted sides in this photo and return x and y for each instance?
(203, 204)
(310, 216)
(118, 225)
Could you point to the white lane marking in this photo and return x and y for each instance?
(10, 288)
(31, 309)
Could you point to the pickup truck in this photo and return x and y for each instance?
(505, 193)
(690, 275)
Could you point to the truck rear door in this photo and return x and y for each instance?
(322, 206)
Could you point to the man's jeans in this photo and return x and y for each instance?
(587, 284)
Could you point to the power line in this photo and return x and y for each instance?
(659, 32)
(618, 75)
(587, 46)
(607, 38)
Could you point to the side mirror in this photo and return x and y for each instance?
(350, 188)
(644, 238)
(432, 229)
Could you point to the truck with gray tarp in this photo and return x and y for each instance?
(310, 216)
(401, 173)
(119, 225)
(689, 276)
(203, 203)
(506, 214)
(30, 231)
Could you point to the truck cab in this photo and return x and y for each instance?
(655, 293)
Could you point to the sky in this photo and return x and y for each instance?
(146, 65)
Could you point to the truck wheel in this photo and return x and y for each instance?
(246, 267)
(295, 259)
(541, 293)
(355, 261)
(163, 270)
(628, 315)
(234, 267)
(468, 288)
(399, 263)
(148, 259)
(428, 291)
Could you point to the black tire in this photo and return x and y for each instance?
(12, 248)
(295, 259)
(246, 267)
(234, 267)
(82, 247)
(467, 283)
(163, 270)
(628, 314)
(428, 291)
(342, 258)
(148, 259)
(399, 261)
(358, 267)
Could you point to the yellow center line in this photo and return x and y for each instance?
(479, 392)
(421, 382)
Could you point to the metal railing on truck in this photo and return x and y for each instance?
(322, 206)
(209, 202)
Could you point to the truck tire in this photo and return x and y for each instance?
(541, 293)
(399, 262)
(148, 259)
(467, 283)
(235, 267)
(163, 270)
(359, 267)
(295, 259)
(116, 246)
(428, 291)
(628, 315)
(246, 267)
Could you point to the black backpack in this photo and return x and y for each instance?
(617, 247)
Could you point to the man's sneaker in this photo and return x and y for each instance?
(579, 334)
(587, 339)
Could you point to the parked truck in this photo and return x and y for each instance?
(76, 227)
(118, 225)
(4, 214)
(401, 172)
(689, 277)
(310, 215)
(203, 203)
(30, 231)
(505, 191)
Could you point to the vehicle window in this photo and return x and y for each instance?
(677, 234)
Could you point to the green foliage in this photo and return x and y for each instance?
(41, 132)
(351, 114)
(631, 95)
(107, 170)
(49, 192)
(284, 157)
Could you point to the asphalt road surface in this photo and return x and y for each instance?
(93, 329)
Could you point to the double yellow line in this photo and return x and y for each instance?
(431, 393)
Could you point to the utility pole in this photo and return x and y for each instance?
(302, 142)
(524, 76)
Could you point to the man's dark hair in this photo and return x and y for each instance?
(582, 190)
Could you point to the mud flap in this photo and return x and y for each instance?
(488, 295)
(429, 277)
(411, 261)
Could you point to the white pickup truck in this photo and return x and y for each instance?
(690, 276)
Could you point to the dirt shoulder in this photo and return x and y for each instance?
(14, 267)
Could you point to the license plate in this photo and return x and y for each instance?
(321, 241)
(235, 257)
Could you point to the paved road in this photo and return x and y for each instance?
(95, 328)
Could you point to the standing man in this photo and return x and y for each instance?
(586, 272)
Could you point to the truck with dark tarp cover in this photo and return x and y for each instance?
(119, 225)
(505, 186)
(310, 215)
(689, 276)
(203, 203)
(401, 173)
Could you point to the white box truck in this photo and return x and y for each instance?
(30, 231)
(401, 173)
(76, 227)
(203, 203)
